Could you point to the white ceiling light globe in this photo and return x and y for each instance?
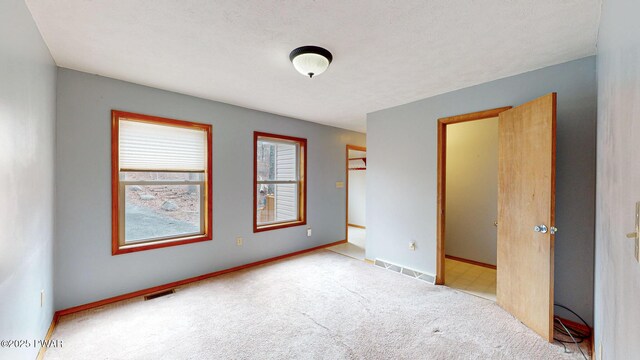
(310, 64)
(310, 60)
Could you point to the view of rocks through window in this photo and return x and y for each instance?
(161, 210)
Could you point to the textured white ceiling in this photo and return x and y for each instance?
(386, 52)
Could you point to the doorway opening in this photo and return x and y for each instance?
(355, 189)
(468, 202)
(525, 209)
(356, 195)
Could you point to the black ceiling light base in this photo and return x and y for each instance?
(310, 49)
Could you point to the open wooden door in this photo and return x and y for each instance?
(526, 213)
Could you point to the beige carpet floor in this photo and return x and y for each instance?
(321, 305)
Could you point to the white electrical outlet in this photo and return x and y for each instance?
(42, 298)
(308, 231)
(239, 241)
(412, 246)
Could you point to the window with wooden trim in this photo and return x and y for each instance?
(280, 189)
(161, 182)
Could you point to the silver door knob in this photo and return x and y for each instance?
(541, 228)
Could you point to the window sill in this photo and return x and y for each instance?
(125, 249)
(277, 226)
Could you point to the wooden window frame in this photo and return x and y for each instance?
(116, 247)
(302, 186)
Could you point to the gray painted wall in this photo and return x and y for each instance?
(86, 271)
(401, 158)
(27, 117)
(472, 190)
(617, 280)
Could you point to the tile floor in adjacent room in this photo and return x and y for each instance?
(355, 247)
(473, 279)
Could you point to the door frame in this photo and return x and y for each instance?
(442, 178)
(346, 185)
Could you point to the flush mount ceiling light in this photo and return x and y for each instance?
(310, 60)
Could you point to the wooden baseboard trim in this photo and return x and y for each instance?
(174, 284)
(575, 325)
(357, 226)
(473, 262)
(54, 322)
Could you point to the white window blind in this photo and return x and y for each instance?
(153, 147)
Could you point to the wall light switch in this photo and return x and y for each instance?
(599, 352)
(308, 231)
(339, 184)
(239, 241)
(636, 235)
(637, 239)
(412, 246)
